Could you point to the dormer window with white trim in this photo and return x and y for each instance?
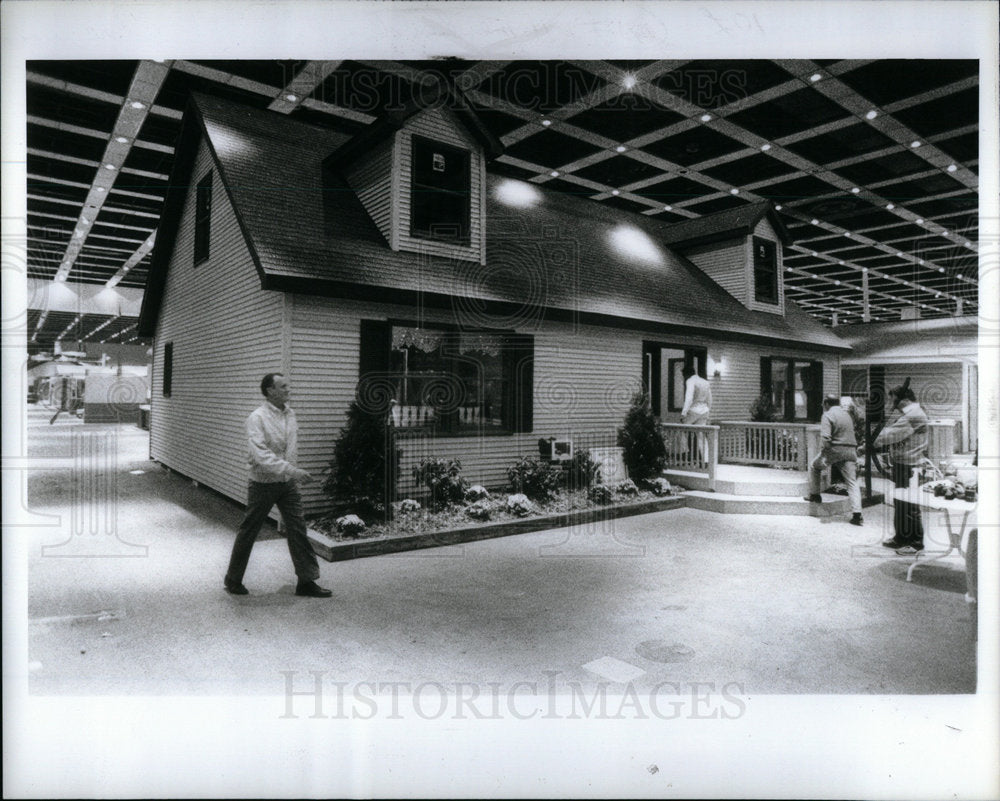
(440, 201)
(765, 270)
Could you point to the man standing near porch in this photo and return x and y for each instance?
(838, 449)
(697, 404)
(906, 437)
(272, 434)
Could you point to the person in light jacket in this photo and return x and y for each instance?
(697, 405)
(838, 449)
(906, 438)
(272, 435)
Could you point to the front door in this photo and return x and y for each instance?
(662, 379)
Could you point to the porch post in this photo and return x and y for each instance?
(812, 446)
(713, 454)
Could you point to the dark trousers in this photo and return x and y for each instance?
(260, 500)
(908, 527)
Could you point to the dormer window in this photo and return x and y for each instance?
(765, 270)
(440, 192)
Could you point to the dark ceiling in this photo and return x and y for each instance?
(873, 164)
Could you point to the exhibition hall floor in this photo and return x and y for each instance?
(125, 597)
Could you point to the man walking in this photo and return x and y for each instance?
(272, 435)
(838, 449)
(907, 441)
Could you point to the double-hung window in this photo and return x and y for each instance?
(794, 386)
(440, 198)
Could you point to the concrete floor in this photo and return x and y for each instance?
(775, 605)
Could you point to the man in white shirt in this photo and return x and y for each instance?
(272, 435)
(697, 404)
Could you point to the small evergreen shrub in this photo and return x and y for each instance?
(626, 487)
(443, 477)
(350, 526)
(659, 486)
(477, 492)
(642, 444)
(519, 504)
(478, 511)
(362, 472)
(762, 410)
(582, 471)
(409, 505)
(601, 493)
(537, 480)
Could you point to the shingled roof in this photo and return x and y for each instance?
(576, 259)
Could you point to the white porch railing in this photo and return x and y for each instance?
(691, 448)
(787, 445)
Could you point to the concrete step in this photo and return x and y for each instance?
(728, 503)
(791, 486)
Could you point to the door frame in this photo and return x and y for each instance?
(652, 376)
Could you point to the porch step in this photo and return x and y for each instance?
(727, 503)
(786, 484)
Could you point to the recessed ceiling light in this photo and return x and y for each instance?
(840, 263)
(920, 221)
(765, 147)
(734, 191)
(546, 123)
(847, 234)
(940, 269)
(778, 207)
(668, 208)
(920, 261)
(855, 190)
(871, 115)
(915, 143)
(815, 77)
(836, 283)
(959, 277)
(968, 244)
(121, 140)
(952, 168)
(621, 148)
(291, 98)
(814, 221)
(554, 173)
(890, 206)
(85, 221)
(137, 105)
(110, 167)
(99, 189)
(629, 80)
(614, 191)
(705, 117)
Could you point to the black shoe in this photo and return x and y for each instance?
(235, 588)
(910, 548)
(813, 497)
(893, 543)
(856, 519)
(310, 589)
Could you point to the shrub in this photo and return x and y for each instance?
(626, 487)
(444, 480)
(762, 410)
(601, 493)
(537, 480)
(582, 471)
(362, 473)
(350, 525)
(478, 511)
(519, 504)
(660, 486)
(409, 505)
(477, 492)
(643, 450)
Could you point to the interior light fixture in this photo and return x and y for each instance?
(110, 167)
(554, 173)
(668, 208)
(291, 98)
(814, 221)
(734, 191)
(765, 147)
(871, 115)
(136, 104)
(890, 206)
(629, 80)
(920, 221)
(778, 207)
(915, 143)
(546, 123)
(99, 189)
(815, 77)
(952, 168)
(121, 140)
(705, 117)
(614, 191)
(855, 189)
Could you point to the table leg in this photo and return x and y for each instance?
(953, 545)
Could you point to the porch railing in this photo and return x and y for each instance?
(691, 448)
(787, 445)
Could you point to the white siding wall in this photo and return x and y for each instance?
(227, 333)
(725, 263)
(584, 378)
(440, 125)
(372, 179)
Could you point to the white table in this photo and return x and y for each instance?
(927, 500)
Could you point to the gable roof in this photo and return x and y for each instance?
(738, 221)
(559, 255)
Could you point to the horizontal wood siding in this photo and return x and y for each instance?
(585, 377)
(725, 263)
(226, 334)
(371, 179)
(440, 125)
(765, 230)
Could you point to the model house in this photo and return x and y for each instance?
(482, 312)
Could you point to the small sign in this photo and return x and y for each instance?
(610, 463)
(438, 162)
(562, 450)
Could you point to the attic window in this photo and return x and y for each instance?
(202, 217)
(440, 192)
(765, 270)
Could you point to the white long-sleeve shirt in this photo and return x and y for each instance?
(697, 396)
(272, 437)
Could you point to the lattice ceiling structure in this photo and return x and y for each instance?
(872, 164)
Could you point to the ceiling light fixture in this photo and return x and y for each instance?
(915, 143)
(668, 208)
(778, 207)
(734, 191)
(629, 80)
(871, 115)
(121, 140)
(705, 117)
(99, 189)
(614, 192)
(546, 123)
(814, 221)
(765, 147)
(855, 190)
(554, 173)
(291, 98)
(890, 206)
(952, 168)
(137, 104)
(110, 167)
(621, 148)
(815, 77)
